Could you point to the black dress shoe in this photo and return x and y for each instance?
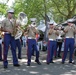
(28, 64)
(59, 56)
(5, 67)
(47, 63)
(72, 62)
(33, 54)
(16, 65)
(19, 58)
(1, 59)
(51, 62)
(38, 62)
(55, 57)
(62, 62)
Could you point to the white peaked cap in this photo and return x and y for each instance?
(10, 11)
(51, 22)
(70, 20)
(33, 19)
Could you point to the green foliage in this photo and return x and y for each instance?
(3, 8)
(64, 9)
(61, 9)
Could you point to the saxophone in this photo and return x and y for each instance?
(13, 22)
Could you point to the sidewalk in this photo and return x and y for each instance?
(52, 69)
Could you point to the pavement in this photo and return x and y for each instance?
(52, 69)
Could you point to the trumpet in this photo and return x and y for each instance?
(59, 27)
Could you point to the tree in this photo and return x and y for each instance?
(33, 8)
(64, 8)
(3, 8)
(60, 9)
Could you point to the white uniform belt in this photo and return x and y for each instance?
(69, 37)
(7, 33)
(31, 38)
(52, 40)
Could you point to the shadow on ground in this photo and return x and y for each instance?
(52, 69)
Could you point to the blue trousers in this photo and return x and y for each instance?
(0, 52)
(9, 40)
(51, 47)
(68, 44)
(18, 45)
(32, 43)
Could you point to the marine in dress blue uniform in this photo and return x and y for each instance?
(8, 27)
(69, 30)
(52, 44)
(31, 42)
(1, 46)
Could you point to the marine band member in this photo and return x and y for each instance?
(69, 41)
(32, 44)
(52, 35)
(8, 28)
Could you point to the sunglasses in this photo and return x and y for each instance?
(50, 24)
(11, 12)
